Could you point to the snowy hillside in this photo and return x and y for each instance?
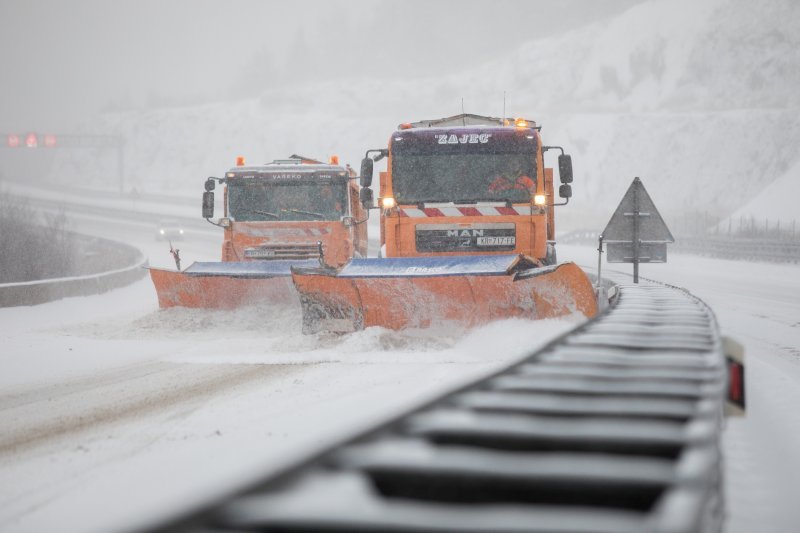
(778, 201)
(698, 99)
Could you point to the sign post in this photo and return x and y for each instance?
(636, 232)
(636, 214)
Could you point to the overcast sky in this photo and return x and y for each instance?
(62, 60)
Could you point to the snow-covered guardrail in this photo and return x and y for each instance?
(118, 213)
(719, 246)
(46, 290)
(109, 204)
(773, 250)
(614, 426)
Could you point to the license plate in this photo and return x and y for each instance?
(496, 241)
(486, 237)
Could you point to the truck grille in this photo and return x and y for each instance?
(283, 251)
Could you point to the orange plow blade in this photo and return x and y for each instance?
(399, 293)
(226, 285)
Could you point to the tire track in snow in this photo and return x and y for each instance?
(75, 407)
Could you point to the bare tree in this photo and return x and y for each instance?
(33, 245)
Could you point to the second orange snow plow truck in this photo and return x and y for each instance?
(467, 234)
(278, 215)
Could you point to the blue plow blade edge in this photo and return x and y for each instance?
(462, 265)
(249, 269)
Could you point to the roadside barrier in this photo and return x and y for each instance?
(47, 290)
(749, 249)
(719, 246)
(614, 426)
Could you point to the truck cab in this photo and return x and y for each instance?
(291, 209)
(467, 185)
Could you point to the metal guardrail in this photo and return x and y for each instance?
(613, 427)
(47, 290)
(720, 246)
(117, 213)
(73, 189)
(779, 251)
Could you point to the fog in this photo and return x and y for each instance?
(649, 88)
(66, 61)
(110, 403)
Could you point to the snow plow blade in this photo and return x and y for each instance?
(399, 293)
(226, 285)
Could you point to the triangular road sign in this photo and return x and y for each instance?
(621, 227)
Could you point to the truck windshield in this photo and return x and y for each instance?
(463, 177)
(254, 200)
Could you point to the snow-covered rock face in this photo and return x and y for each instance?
(699, 99)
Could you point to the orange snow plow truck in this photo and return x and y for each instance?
(293, 212)
(467, 234)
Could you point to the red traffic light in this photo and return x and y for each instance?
(31, 141)
(13, 140)
(50, 141)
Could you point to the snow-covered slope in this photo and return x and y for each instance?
(697, 98)
(778, 201)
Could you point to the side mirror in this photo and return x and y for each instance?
(565, 191)
(208, 204)
(366, 197)
(366, 172)
(210, 184)
(565, 169)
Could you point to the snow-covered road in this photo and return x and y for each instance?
(114, 412)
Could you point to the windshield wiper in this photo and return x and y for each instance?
(259, 212)
(309, 213)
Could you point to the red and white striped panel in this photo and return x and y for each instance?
(477, 211)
